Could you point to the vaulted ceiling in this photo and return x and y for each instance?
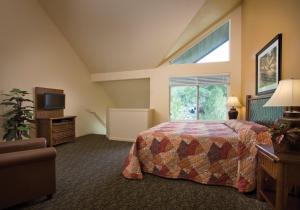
(120, 35)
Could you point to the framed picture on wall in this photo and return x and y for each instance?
(268, 66)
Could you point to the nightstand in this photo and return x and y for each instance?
(280, 172)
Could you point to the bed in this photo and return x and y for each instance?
(207, 153)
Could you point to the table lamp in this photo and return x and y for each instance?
(287, 94)
(233, 102)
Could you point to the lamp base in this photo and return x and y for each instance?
(233, 113)
(291, 117)
(293, 122)
(291, 114)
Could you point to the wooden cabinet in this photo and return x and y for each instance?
(277, 178)
(57, 130)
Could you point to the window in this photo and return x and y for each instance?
(213, 48)
(202, 97)
(221, 54)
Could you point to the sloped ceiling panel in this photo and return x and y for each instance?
(120, 35)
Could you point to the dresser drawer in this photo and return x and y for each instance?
(59, 138)
(62, 127)
(60, 135)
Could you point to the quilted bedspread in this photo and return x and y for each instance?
(208, 153)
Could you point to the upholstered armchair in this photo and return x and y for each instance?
(27, 171)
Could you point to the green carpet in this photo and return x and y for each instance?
(89, 177)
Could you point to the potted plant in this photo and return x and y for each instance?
(285, 138)
(18, 118)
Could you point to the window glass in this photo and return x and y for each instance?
(213, 48)
(183, 104)
(212, 102)
(221, 54)
(199, 97)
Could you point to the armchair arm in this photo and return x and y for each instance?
(26, 157)
(14, 146)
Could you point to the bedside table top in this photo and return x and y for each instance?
(282, 157)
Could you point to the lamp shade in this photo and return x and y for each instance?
(233, 101)
(287, 94)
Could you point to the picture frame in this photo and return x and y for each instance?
(268, 66)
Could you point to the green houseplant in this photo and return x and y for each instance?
(284, 137)
(18, 118)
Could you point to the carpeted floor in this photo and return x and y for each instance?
(89, 177)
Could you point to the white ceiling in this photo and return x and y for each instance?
(119, 35)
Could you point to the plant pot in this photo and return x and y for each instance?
(286, 147)
(294, 141)
(283, 147)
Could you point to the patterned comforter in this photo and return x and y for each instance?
(208, 153)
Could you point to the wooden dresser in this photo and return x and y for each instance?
(57, 130)
(51, 123)
(277, 177)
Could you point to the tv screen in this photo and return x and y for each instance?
(54, 101)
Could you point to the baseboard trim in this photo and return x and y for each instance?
(113, 138)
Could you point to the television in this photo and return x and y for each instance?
(53, 101)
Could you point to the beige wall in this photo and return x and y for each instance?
(159, 80)
(261, 21)
(34, 53)
(133, 93)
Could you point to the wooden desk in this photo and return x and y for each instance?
(284, 169)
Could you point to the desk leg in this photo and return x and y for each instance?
(282, 188)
